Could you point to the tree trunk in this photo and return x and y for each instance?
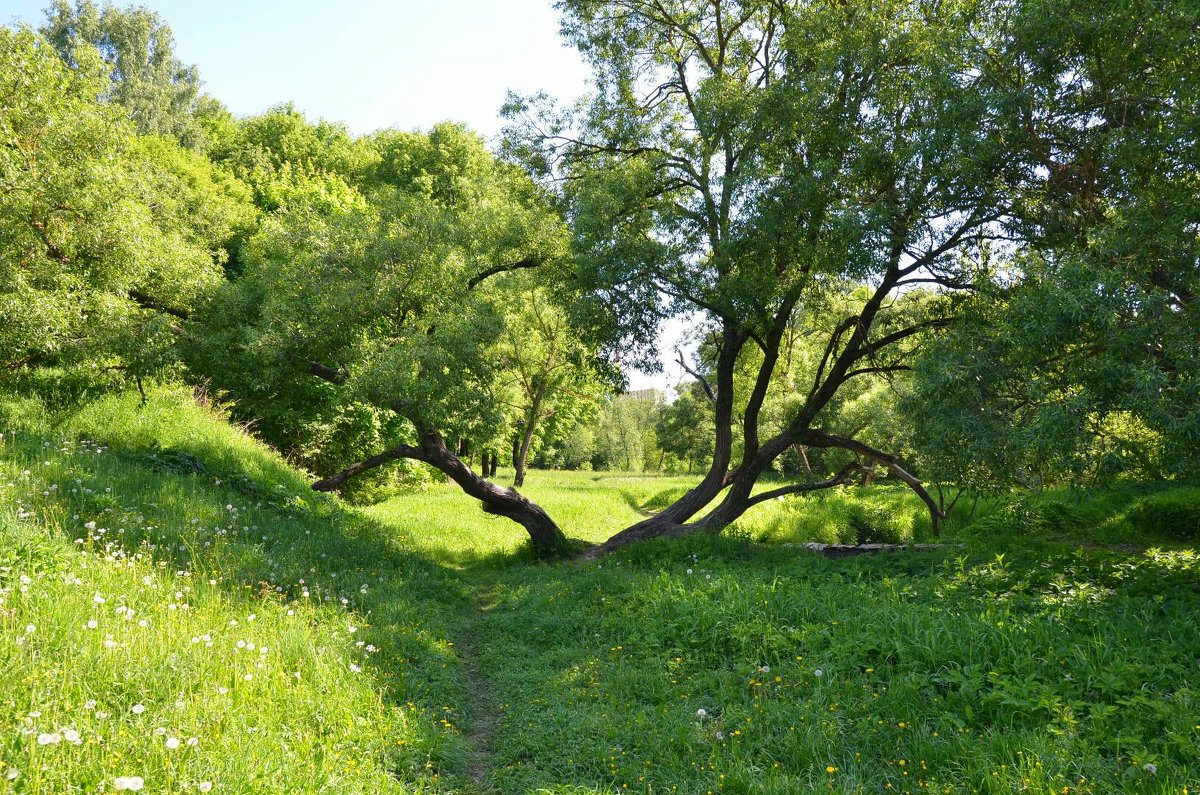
(522, 452)
(496, 500)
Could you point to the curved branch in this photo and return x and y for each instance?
(712, 398)
(528, 262)
(822, 439)
(796, 488)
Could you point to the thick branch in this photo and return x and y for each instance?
(796, 488)
(386, 457)
(149, 302)
(528, 262)
(822, 439)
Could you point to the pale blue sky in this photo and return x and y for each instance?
(368, 63)
(374, 64)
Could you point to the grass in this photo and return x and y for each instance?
(1041, 658)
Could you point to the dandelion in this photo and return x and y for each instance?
(30, 629)
(818, 672)
(92, 624)
(701, 713)
(49, 738)
(137, 709)
(205, 786)
(766, 669)
(356, 669)
(12, 774)
(1150, 768)
(130, 783)
(830, 769)
(72, 736)
(192, 742)
(172, 743)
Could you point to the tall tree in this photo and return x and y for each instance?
(747, 159)
(545, 368)
(158, 91)
(390, 296)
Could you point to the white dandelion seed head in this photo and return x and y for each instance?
(49, 738)
(818, 672)
(172, 743)
(204, 786)
(138, 709)
(700, 713)
(129, 783)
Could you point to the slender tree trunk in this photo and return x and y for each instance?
(522, 456)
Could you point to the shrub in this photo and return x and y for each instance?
(1176, 514)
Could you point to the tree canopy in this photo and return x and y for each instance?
(953, 242)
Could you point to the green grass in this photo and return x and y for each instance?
(1057, 651)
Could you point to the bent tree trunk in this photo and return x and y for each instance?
(850, 352)
(496, 500)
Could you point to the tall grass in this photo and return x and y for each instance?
(165, 578)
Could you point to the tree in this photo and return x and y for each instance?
(386, 300)
(157, 90)
(749, 159)
(1081, 363)
(545, 368)
(684, 426)
(624, 433)
(106, 239)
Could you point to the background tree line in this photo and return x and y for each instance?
(949, 243)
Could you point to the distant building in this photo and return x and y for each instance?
(653, 395)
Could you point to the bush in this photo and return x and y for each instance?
(1176, 514)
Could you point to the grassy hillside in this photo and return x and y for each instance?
(166, 578)
(1056, 652)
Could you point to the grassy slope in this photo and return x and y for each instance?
(215, 544)
(1047, 668)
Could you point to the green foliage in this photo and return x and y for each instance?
(1077, 362)
(157, 92)
(103, 235)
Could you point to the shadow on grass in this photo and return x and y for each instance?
(231, 511)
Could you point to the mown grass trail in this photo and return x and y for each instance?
(164, 560)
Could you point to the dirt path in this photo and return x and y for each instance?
(483, 708)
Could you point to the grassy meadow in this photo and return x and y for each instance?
(179, 613)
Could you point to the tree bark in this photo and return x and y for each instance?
(496, 500)
(522, 452)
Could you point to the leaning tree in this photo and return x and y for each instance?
(756, 160)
